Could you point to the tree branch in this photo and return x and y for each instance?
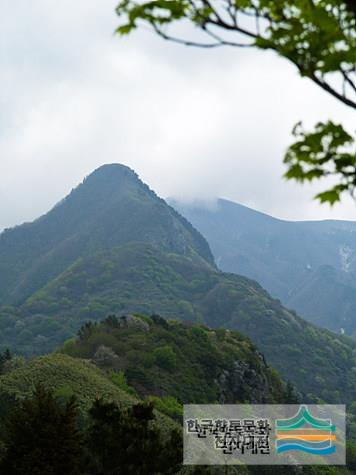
(217, 44)
(324, 85)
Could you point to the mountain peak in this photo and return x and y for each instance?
(110, 208)
(109, 169)
(112, 174)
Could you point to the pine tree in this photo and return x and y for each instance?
(41, 437)
(4, 357)
(291, 395)
(129, 441)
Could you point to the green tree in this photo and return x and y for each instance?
(291, 396)
(87, 330)
(4, 357)
(41, 437)
(128, 441)
(351, 456)
(165, 357)
(317, 36)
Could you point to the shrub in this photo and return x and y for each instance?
(168, 405)
(119, 379)
(165, 357)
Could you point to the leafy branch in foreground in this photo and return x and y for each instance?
(325, 152)
(317, 36)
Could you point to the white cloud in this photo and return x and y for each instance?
(192, 123)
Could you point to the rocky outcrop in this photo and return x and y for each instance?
(242, 383)
(130, 321)
(105, 356)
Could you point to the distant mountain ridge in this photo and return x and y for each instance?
(309, 265)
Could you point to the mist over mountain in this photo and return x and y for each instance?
(113, 246)
(309, 265)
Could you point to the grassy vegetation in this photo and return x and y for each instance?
(64, 376)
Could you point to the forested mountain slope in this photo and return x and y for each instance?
(190, 362)
(138, 278)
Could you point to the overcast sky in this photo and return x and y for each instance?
(194, 124)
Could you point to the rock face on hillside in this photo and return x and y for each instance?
(130, 321)
(242, 380)
(105, 357)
